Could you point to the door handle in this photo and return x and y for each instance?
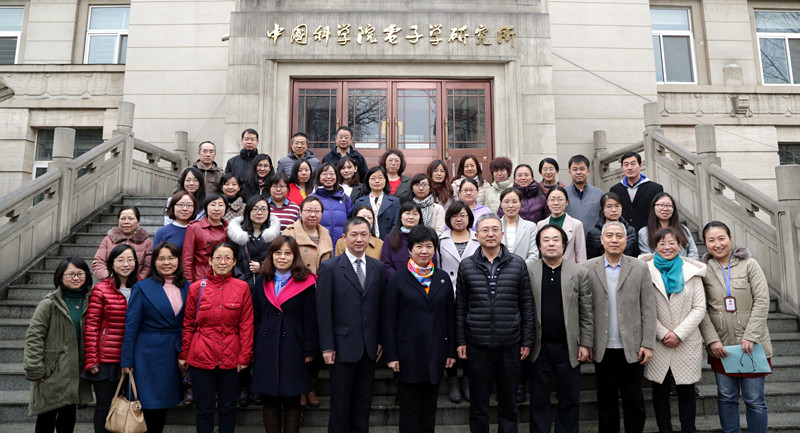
(337, 123)
(383, 127)
(446, 138)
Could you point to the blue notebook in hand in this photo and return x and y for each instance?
(739, 362)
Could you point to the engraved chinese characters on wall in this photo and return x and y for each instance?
(393, 34)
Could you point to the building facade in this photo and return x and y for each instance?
(518, 78)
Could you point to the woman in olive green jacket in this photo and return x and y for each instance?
(734, 273)
(54, 349)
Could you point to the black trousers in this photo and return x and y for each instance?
(553, 361)
(155, 419)
(417, 406)
(485, 366)
(212, 389)
(61, 420)
(686, 405)
(103, 394)
(615, 376)
(351, 395)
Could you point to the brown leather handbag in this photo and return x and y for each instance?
(126, 416)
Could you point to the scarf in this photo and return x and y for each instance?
(423, 275)
(280, 279)
(405, 230)
(671, 273)
(427, 210)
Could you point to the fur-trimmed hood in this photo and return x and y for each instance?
(116, 236)
(240, 237)
(739, 253)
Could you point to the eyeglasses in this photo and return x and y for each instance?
(469, 191)
(671, 244)
(279, 186)
(120, 260)
(220, 259)
(556, 200)
(548, 169)
(663, 206)
(748, 367)
(422, 185)
(312, 211)
(184, 205)
(127, 218)
(166, 259)
(612, 206)
(260, 209)
(492, 230)
(74, 275)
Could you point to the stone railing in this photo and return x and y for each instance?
(704, 192)
(43, 212)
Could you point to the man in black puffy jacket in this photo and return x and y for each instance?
(495, 319)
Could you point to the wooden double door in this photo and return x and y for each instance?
(425, 119)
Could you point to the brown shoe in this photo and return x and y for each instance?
(313, 400)
(303, 400)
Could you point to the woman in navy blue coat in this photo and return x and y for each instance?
(286, 335)
(418, 329)
(153, 335)
(387, 207)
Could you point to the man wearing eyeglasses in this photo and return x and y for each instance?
(495, 318)
(584, 199)
(344, 147)
(624, 330)
(636, 191)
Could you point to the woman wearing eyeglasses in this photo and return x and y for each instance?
(742, 320)
(610, 210)
(152, 337)
(126, 232)
(680, 307)
(557, 202)
(182, 209)
(201, 236)
(54, 349)
(313, 239)
(217, 340)
(664, 214)
(338, 206)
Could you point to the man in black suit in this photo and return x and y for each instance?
(349, 289)
(635, 190)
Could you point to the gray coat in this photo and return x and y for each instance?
(448, 253)
(586, 209)
(524, 241)
(285, 164)
(636, 307)
(576, 299)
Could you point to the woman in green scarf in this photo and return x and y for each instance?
(680, 307)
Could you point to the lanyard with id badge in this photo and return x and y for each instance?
(730, 300)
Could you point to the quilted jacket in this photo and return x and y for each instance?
(337, 208)
(200, 238)
(500, 323)
(140, 242)
(220, 333)
(105, 324)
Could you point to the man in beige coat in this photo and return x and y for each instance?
(625, 330)
(564, 331)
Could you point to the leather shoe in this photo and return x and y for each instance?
(522, 394)
(244, 397)
(452, 390)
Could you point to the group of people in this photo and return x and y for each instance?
(262, 274)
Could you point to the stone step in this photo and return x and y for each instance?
(13, 329)
(781, 399)
(11, 351)
(144, 201)
(78, 250)
(51, 262)
(150, 218)
(778, 322)
(17, 309)
(102, 228)
(35, 292)
(779, 422)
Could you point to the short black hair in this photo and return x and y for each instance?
(178, 278)
(564, 237)
(455, 208)
(716, 224)
(200, 146)
(78, 262)
(627, 155)
(224, 245)
(560, 189)
(550, 161)
(370, 172)
(298, 134)
(345, 128)
(116, 252)
(419, 234)
(213, 197)
(250, 131)
(354, 221)
(399, 154)
(577, 159)
(510, 190)
(133, 208)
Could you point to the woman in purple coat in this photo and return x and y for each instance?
(533, 202)
(286, 334)
(338, 206)
(394, 253)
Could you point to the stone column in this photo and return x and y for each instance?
(652, 124)
(600, 152)
(181, 147)
(63, 151)
(706, 141)
(125, 128)
(788, 225)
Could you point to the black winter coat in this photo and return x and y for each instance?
(502, 322)
(418, 328)
(594, 248)
(283, 338)
(637, 212)
(240, 164)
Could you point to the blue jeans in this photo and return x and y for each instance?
(752, 391)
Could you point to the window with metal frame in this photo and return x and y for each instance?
(673, 45)
(10, 32)
(789, 153)
(778, 35)
(85, 140)
(107, 35)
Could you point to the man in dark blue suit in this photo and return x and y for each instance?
(349, 289)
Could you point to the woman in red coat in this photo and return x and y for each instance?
(217, 339)
(201, 236)
(287, 338)
(105, 326)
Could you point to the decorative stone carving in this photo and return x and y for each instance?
(729, 104)
(66, 85)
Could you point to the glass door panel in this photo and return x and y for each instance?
(416, 119)
(368, 112)
(468, 123)
(316, 114)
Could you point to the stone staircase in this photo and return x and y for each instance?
(21, 297)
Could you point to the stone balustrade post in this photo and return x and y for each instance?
(788, 225)
(182, 149)
(706, 142)
(63, 153)
(600, 152)
(652, 124)
(125, 128)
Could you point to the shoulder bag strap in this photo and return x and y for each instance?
(199, 297)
